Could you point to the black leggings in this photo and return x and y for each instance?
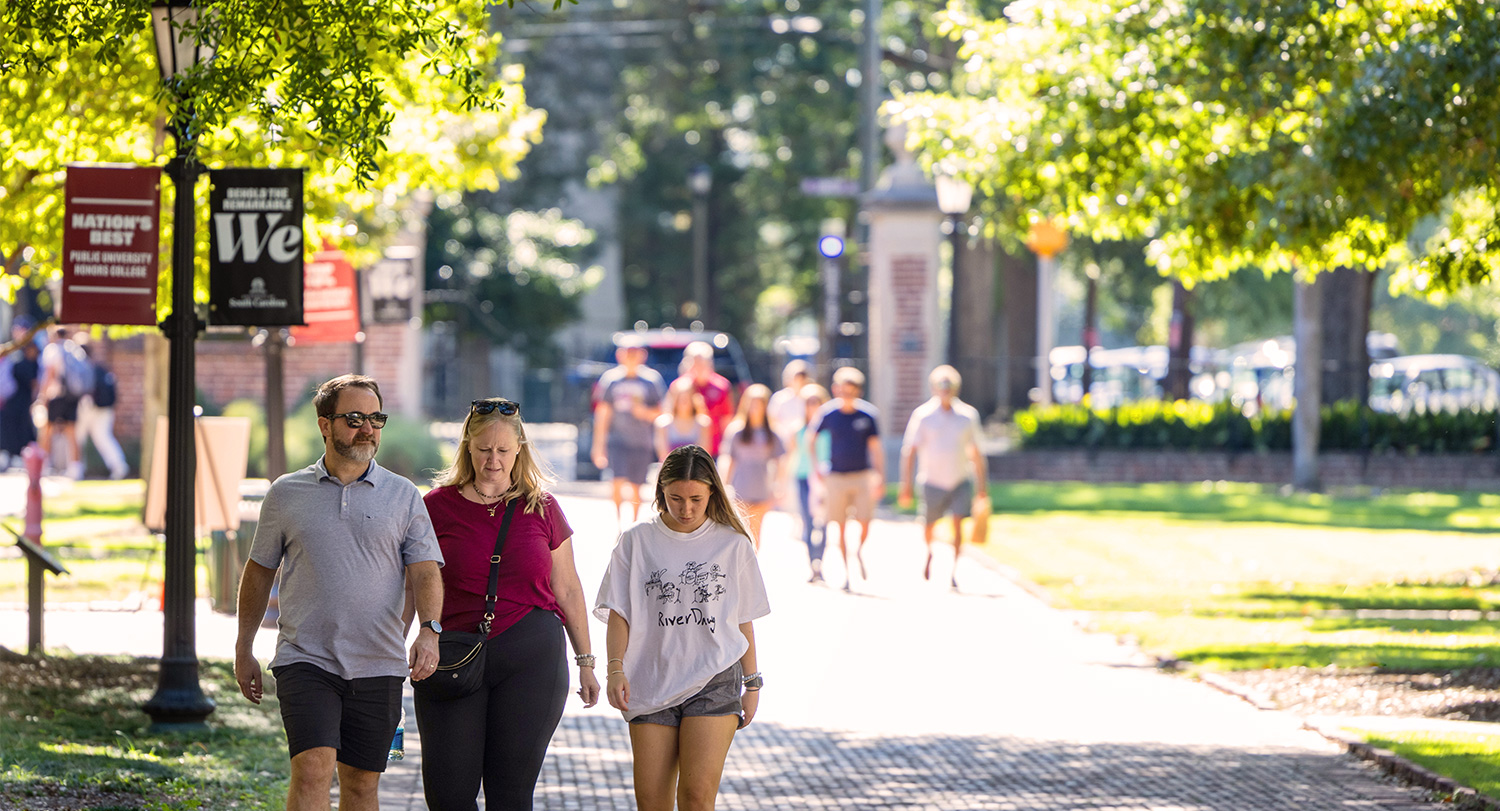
(500, 733)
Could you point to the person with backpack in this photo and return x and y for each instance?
(96, 414)
(66, 377)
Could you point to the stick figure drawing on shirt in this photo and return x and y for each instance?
(666, 590)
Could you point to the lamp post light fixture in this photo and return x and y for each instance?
(954, 197)
(179, 703)
(700, 183)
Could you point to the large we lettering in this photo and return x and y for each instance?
(247, 242)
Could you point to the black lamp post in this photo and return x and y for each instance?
(179, 703)
(700, 182)
(954, 197)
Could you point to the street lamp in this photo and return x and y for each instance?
(1047, 241)
(954, 196)
(179, 702)
(700, 181)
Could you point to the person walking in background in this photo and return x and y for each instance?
(96, 414)
(630, 396)
(752, 459)
(812, 504)
(61, 394)
(787, 409)
(683, 420)
(17, 428)
(680, 595)
(943, 434)
(349, 539)
(855, 478)
(497, 737)
(718, 396)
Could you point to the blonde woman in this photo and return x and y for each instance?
(752, 456)
(497, 737)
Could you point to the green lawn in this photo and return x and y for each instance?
(95, 529)
(1468, 759)
(1242, 576)
(71, 731)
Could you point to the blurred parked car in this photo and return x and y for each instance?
(1433, 383)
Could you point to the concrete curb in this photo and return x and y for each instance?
(1391, 763)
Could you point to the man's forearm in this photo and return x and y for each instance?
(427, 588)
(254, 596)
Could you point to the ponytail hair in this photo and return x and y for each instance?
(693, 463)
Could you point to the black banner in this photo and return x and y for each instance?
(255, 247)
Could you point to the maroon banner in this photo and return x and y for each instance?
(330, 300)
(111, 247)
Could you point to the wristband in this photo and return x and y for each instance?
(584, 659)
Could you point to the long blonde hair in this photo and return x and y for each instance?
(693, 463)
(529, 478)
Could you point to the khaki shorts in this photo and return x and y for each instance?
(846, 490)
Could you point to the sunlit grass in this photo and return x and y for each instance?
(1162, 565)
(1469, 759)
(74, 726)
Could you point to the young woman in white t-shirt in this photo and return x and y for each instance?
(680, 594)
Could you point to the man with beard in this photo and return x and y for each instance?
(350, 540)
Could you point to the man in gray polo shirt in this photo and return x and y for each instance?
(350, 540)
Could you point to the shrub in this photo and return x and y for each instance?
(1194, 425)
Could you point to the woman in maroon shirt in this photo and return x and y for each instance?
(498, 736)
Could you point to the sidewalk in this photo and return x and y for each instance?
(908, 695)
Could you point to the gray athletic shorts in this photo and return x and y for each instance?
(721, 696)
(630, 464)
(937, 502)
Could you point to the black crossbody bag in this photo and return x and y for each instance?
(460, 669)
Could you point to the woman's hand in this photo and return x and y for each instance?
(588, 686)
(749, 703)
(619, 691)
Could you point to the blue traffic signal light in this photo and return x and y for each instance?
(831, 246)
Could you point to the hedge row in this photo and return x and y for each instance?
(1194, 425)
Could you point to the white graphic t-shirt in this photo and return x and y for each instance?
(685, 596)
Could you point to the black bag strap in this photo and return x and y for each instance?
(490, 593)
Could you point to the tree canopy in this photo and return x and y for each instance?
(1298, 134)
(375, 101)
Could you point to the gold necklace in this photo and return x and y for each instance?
(482, 494)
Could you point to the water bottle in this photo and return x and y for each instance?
(398, 743)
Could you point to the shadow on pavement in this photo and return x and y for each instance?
(773, 766)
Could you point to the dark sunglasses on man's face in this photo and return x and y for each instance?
(506, 408)
(355, 419)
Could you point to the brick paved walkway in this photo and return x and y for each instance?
(907, 695)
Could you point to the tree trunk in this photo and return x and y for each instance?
(976, 348)
(1180, 344)
(1346, 300)
(1018, 331)
(1308, 384)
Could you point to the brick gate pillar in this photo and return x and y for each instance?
(905, 332)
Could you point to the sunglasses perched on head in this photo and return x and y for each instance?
(355, 419)
(507, 408)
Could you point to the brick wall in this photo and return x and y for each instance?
(232, 369)
(1437, 471)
